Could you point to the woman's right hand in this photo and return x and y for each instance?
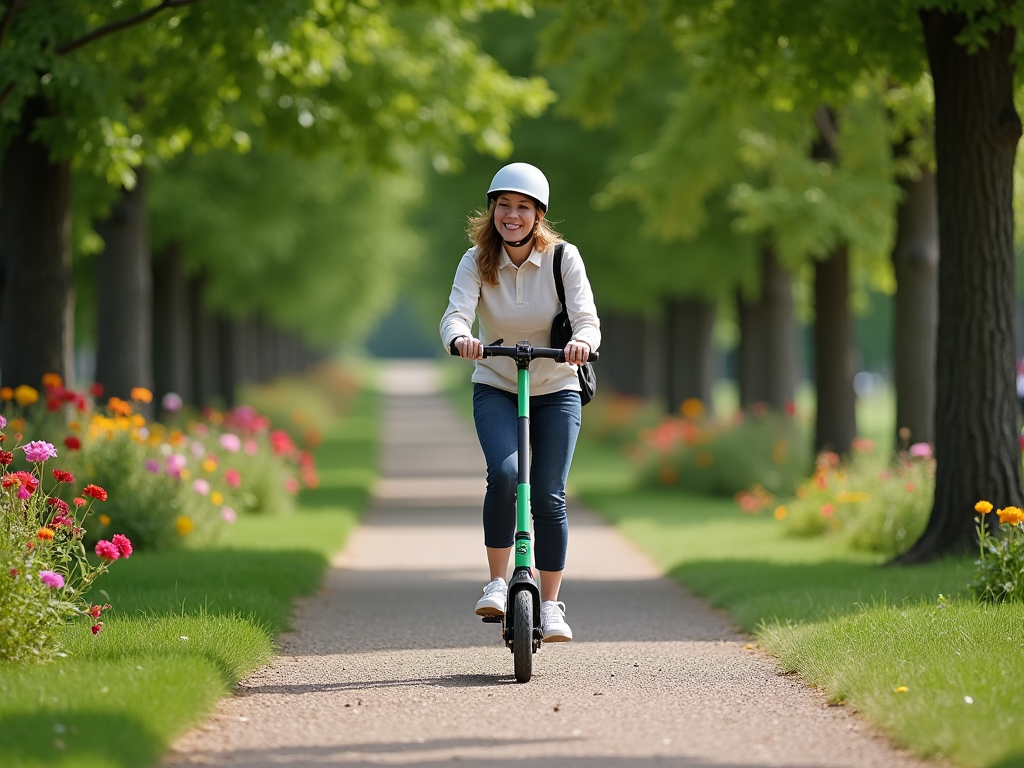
(469, 348)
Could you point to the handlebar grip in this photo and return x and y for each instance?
(453, 349)
(593, 357)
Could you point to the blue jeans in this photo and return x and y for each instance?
(554, 427)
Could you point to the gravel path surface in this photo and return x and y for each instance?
(388, 665)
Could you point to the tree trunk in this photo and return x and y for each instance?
(976, 135)
(767, 354)
(836, 420)
(750, 369)
(228, 360)
(622, 353)
(689, 326)
(37, 322)
(203, 332)
(172, 356)
(915, 258)
(124, 296)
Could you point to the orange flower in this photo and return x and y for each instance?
(983, 507)
(668, 476)
(119, 407)
(52, 380)
(45, 534)
(141, 394)
(692, 408)
(1011, 515)
(6, 393)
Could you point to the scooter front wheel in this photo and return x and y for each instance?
(522, 638)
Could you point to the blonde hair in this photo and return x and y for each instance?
(485, 236)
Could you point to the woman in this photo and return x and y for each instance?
(506, 280)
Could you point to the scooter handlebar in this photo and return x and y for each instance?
(557, 355)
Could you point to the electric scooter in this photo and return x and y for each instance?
(521, 629)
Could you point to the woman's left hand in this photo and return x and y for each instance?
(577, 352)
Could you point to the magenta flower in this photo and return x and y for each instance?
(38, 451)
(123, 544)
(172, 402)
(230, 442)
(23, 492)
(152, 465)
(200, 486)
(51, 579)
(107, 550)
(921, 451)
(3, 422)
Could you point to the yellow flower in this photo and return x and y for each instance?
(847, 497)
(781, 512)
(52, 380)
(1011, 515)
(26, 395)
(217, 498)
(209, 465)
(692, 408)
(141, 394)
(984, 507)
(138, 420)
(184, 525)
(104, 519)
(902, 689)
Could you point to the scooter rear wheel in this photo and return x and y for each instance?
(522, 639)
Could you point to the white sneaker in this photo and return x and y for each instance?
(552, 622)
(494, 599)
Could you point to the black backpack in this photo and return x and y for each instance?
(561, 333)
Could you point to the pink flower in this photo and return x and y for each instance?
(921, 451)
(23, 492)
(152, 465)
(3, 422)
(230, 442)
(123, 544)
(232, 478)
(291, 485)
(228, 515)
(172, 402)
(107, 550)
(38, 451)
(200, 486)
(51, 579)
(176, 462)
(198, 449)
(251, 447)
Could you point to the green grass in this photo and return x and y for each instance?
(186, 625)
(847, 623)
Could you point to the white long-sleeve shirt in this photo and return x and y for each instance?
(520, 308)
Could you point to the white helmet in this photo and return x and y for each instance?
(523, 178)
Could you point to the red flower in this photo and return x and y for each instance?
(13, 572)
(60, 504)
(25, 480)
(6, 458)
(95, 611)
(53, 404)
(97, 627)
(789, 408)
(95, 491)
(123, 544)
(63, 476)
(72, 442)
(107, 550)
(96, 390)
(79, 501)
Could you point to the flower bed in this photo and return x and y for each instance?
(701, 455)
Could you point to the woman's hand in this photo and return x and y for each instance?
(577, 352)
(469, 348)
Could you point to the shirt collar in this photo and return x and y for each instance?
(504, 261)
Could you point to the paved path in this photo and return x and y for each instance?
(388, 664)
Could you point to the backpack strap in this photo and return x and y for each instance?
(557, 268)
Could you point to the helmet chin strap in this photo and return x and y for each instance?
(525, 240)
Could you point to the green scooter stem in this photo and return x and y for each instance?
(523, 553)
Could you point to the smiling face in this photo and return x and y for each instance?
(515, 216)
